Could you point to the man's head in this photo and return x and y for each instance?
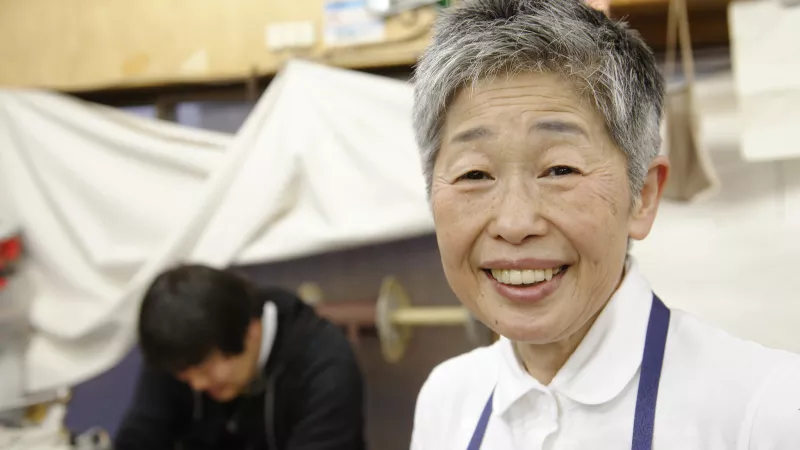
(203, 325)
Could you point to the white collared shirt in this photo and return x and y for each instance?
(269, 328)
(716, 393)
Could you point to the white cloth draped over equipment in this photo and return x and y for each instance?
(326, 161)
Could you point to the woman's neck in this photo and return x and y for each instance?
(543, 361)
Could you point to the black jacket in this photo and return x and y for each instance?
(311, 397)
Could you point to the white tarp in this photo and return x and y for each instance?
(765, 52)
(325, 161)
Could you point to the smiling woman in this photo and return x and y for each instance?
(541, 166)
(538, 123)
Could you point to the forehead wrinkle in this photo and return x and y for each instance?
(527, 100)
(558, 88)
(477, 108)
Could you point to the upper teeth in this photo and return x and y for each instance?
(524, 276)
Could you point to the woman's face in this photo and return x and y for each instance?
(532, 206)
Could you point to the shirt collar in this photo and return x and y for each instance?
(604, 362)
(269, 328)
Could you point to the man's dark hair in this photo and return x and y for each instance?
(190, 311)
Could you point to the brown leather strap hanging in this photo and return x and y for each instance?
(692, 172)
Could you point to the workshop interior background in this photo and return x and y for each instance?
(205, 66)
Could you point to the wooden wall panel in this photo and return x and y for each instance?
(90, 45)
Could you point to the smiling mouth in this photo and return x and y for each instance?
(525, 278)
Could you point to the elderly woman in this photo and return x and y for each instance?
(538, 122)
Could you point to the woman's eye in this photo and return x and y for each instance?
(560, 171)
(475, 175)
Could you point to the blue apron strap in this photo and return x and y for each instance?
(480, 429)
(652, 360)
(649, 378)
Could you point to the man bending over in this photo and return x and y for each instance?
(231, 366)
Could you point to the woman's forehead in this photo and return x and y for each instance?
(529, 103)
(545, 92)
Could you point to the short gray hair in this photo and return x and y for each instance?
(482, 38)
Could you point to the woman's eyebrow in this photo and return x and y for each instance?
(472, 134)
(557, 126)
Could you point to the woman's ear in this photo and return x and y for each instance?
(644, 211)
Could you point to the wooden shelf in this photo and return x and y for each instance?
(708, 20)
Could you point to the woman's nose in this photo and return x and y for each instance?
(517, 217)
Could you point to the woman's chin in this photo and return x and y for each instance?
(527, 332)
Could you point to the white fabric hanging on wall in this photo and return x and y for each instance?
(325, 161)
